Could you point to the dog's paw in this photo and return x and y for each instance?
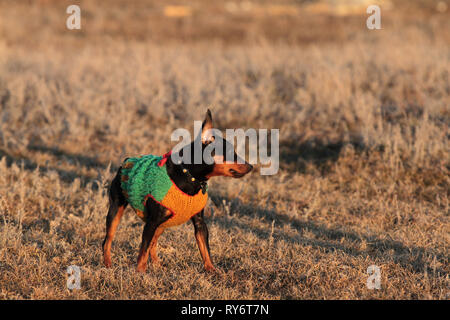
(107, 263)
(141, 269)
(210, 269)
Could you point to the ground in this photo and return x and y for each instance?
(364, 159)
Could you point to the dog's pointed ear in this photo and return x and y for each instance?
(207, 126)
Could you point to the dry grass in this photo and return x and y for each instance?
(364, 178)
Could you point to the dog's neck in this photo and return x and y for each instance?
(183, 178)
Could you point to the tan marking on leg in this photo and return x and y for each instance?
(143, 254)
(204, 252)
(142, 260)
(110, 236)
(153, 245)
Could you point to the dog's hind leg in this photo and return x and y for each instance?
(117, 205)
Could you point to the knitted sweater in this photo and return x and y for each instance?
(145, 177)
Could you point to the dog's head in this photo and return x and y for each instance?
(218, 157)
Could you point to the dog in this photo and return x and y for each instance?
(166, 194)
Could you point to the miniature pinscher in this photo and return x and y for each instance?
(164, 194)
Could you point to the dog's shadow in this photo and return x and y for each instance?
(328, 239)
(60, 157)
(296, 153)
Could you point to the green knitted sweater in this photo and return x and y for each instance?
(142, 176)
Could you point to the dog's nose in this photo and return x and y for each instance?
(249, 167)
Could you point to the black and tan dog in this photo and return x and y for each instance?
(185, 199)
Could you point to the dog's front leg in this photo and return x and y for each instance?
(149, 233)
(155, 215)
(201, 235)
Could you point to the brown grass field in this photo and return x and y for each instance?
(364, 122)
